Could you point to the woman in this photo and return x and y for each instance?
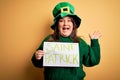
(65, 28)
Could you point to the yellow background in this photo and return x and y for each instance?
(24, 24)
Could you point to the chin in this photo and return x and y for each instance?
(65, 35)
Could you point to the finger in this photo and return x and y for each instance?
(97, 34)
(94, 32)
(38, 57)
(90, 36)
(40, 51)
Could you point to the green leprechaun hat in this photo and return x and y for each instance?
(63, 9)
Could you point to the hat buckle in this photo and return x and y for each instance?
(65, 10)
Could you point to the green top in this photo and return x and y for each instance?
(89, 56)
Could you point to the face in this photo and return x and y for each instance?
(65, 26)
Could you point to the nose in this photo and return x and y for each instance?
(65, 23)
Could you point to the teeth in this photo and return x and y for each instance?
(65, 28)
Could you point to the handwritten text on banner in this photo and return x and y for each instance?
(61, 54)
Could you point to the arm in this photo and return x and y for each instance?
(37, 58)
(92, 56)
(37, 63)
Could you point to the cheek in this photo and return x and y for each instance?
(60, 29)
(60, 24)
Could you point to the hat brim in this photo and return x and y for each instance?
(74, 16)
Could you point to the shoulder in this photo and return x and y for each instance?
(47, 37)
(94, 42)
(42, 43)
(81, 40)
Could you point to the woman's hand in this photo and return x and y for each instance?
(39, 54)
(95, 35)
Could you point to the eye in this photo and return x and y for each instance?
(69, 20)
(61, 20)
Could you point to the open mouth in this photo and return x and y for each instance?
(65, 28)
